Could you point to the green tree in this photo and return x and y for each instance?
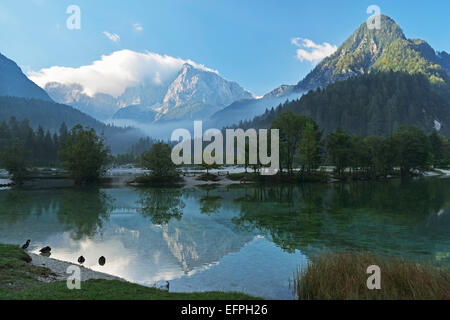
(63, 132)
(4, 135)
(14, 159)
(381, 155)
(438, 145)
(40, 147)
(359, 155)
(309, 148)
(339, 147)
(446, 160)
(158, 160)
(413, 149)
(83, 154)
(291, 127)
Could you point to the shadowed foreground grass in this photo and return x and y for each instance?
(113, 290)
(19, 280)
(342, 276)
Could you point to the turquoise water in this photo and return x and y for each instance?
(241, 238)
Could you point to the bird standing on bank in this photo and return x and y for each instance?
(81, 260)
(102, 261)
(25, 246)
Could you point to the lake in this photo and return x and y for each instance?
(250, 239)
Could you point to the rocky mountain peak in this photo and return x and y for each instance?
(370, 50)
(198, 92)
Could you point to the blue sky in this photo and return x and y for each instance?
(248, 41)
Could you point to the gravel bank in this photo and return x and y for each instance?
(59, 269)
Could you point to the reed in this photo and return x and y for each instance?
(343, 276)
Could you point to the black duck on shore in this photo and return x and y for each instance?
(25, 246)
(45, 250)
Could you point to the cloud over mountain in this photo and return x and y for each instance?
(116, 72)
(312, 52)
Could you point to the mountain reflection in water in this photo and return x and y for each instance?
(241, 238)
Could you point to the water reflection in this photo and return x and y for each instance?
(210, 204)
(17, 205)
(388, 218)
(161, 205)
(83, 211)
(245, 238)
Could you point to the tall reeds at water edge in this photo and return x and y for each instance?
(343, 276)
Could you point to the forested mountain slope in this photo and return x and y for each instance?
(371, 104)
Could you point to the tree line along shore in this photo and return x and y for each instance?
(304, 154)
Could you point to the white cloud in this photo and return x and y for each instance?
(114, 37)
(314, 52)
(113, 73)
(138, 27)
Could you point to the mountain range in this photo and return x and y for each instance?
(194, 93)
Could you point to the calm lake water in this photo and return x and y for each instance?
(241, 238)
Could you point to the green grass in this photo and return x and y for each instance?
(15, 272)
(19, 280)
(342, 276)
(10, 254)
(113, 290)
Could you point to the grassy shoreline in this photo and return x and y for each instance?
(331, 276)
(19, 280)
(343, 276)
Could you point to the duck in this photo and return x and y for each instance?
(81, 260)
(102, 261)
(45, 250)
(25, 246)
